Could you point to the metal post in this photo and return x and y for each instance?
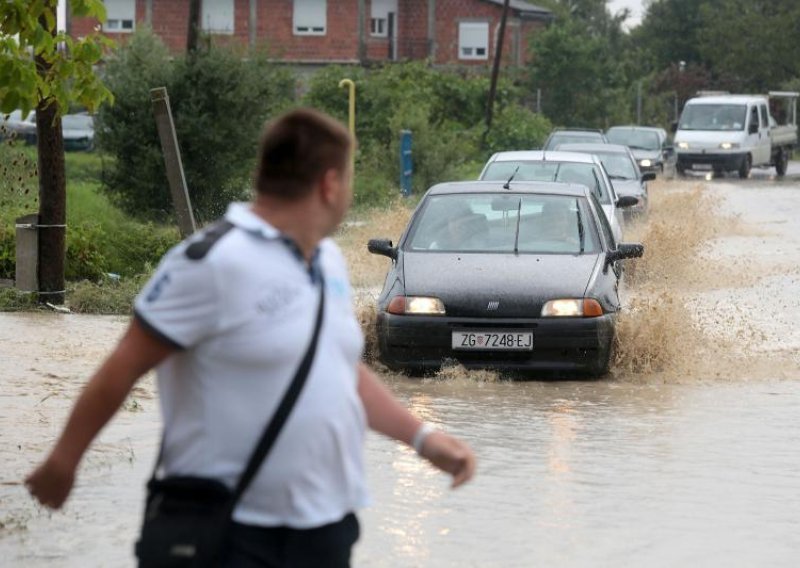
(538, 101)
(172, 160)
(351, 86)
(252, 24)
(639, 103)
(27, 253)
(406, 165)
(498, 54)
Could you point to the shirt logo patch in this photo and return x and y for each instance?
(276, 299)
(158, 288)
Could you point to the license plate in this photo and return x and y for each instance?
(493, 340)
(701, 167)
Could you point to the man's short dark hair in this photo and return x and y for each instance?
(297, 149)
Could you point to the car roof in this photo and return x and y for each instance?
(539, 187)
(727, 99)
(656, 129)
(543, 156)
(594, 147)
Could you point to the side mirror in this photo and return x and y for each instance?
(648, 176)
(753, 128)
(625, 250)
(383, 247)
(627, 201)
(674, 126)
(668, 150)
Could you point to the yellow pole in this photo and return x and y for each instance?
(352, 108)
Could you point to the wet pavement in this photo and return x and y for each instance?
(694, 465)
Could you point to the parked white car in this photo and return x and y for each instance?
(572, 167)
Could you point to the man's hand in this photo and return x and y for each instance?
(51, 483)
(451, 455)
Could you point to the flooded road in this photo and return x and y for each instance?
(689, 458)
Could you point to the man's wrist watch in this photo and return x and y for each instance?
(419, 438)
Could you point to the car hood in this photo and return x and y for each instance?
(466, 283)
(628, 187)
(641, 154)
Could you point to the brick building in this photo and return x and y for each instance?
(460, 32)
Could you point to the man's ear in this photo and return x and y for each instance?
(329, 185)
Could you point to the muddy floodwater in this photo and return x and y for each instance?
(687, 454)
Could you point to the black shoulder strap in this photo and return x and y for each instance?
(285, 407)
(199, 249)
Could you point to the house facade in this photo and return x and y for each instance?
(448, 32)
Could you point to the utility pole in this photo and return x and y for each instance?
(193, 33)
(498, 54)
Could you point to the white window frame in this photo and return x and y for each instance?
(379, 17)
(120, 16)
(310, 17)
(472, 38)
(218, 17)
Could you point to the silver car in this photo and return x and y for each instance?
(570, 167)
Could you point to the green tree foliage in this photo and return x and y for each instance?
(29, 28)
(754, 42)
(444, 110)
(220, 101)
(580, 74)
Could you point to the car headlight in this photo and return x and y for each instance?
(728, 145)
(416, 305)
(572, 308)
(683, 145)
(646, 163)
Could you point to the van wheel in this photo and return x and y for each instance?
(744, 169)
(781, 162)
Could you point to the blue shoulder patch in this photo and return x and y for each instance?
(211, 236)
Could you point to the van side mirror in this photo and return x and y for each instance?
(648, 176)
(627, 201)
(674, 126)
(382, 247)
(753, 129)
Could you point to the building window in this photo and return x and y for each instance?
(120, 16)
(379, 16)
(310, 17)
(217, 16)
(473, 40)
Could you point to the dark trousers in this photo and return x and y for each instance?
(327, 546)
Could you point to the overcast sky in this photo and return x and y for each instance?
(635, 6)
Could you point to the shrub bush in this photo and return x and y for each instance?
(514, 127)
(219, 101)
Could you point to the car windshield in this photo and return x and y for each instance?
(617, 165)
(634, 139)
(572, 137)
(76, 122)
(569, 172)
(506, 223)
(713, 117)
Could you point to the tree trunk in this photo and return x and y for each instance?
(52, 194)
(52, 204)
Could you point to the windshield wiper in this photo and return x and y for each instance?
(618, 177)
(516, 237)
(580, 223)
(507, 185)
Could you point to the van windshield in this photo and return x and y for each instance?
(713, 117)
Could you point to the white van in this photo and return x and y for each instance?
(736, 132)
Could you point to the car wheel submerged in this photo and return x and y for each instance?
(744, 168)
(781, 163)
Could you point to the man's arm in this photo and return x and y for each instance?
(385, 414)
(137, 352)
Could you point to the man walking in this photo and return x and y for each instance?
(225, 320)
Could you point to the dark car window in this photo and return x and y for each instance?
(496, 223)
(570, 172)
(634, 139)
(605, 228)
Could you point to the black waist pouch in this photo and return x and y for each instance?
(185, 525)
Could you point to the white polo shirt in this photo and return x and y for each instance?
(243, 316)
